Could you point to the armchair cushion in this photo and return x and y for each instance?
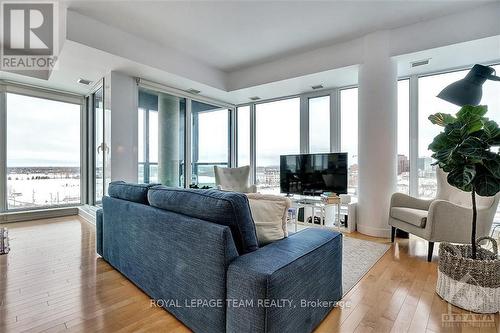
(403, 200)
(416, 217)
(233, 179)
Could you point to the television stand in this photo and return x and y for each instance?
(329, 215)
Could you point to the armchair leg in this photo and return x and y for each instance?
(393, 234)
(430, 251)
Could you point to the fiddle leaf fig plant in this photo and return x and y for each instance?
(464, 150)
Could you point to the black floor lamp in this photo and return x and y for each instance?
(469, 90)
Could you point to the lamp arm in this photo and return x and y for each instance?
(493, 76)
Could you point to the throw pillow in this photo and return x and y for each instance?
(269, 213)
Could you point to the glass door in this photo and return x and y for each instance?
(99, 146)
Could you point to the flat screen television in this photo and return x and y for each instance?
(313, 174)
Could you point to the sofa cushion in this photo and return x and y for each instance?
(129, 191)
(270, 215)
(225, 208)
(416, 217)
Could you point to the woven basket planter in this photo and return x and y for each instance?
(472, 285)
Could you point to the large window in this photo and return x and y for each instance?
(349, 134)
(210, 142)
(161, 122)
(428, 103)
(43, 152)
(319, 124)
(403, 168)
(243, 135)
(277, 133)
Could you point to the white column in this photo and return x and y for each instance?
(122, 97)
(377, 126)
(168, 140)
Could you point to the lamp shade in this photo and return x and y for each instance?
(467, 91)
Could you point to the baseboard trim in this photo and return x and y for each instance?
(12, 217)
(375, 232)
(87, 214)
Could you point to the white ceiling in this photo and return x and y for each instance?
(77, 60)
(231, 35)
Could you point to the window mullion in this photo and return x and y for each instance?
(3, 150)
(83, 152)
(145, 130)
(233, 149)
(253, 144)
(187, 146)
(304, 125)
(413, 135)
(335, 127)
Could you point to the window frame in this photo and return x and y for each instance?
(48, 94)
(194, 136)
(334, 135)
(189, 97)
(414, 118)
(146, 164)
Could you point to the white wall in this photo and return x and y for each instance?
(123, 104)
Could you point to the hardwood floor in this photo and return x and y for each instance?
(53, 281)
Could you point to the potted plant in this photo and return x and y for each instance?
(469, 276)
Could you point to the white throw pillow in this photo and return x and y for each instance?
(269, 213)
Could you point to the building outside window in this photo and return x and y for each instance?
(43, 152)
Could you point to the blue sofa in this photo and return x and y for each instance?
(196, 253)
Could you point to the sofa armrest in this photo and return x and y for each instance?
(453, 223)
(403, 200)
(279, 283)
(98, 231)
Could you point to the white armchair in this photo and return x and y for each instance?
(234, 179)
(448, 218)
